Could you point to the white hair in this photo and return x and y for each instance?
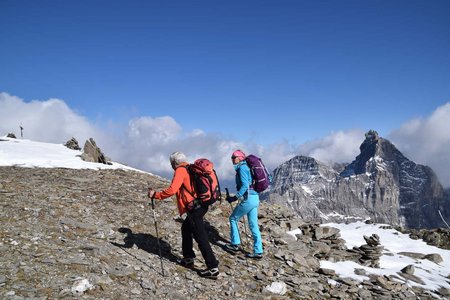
(177, 158)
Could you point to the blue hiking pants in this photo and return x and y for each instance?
(247, 207)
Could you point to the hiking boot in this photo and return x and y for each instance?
(186, 262)
(209, 273)
(231, 248)
(254, 255)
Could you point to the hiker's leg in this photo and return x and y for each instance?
(201, 237)
(239, 211)
(253, 224)
(186, 234)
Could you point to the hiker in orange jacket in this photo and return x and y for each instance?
(193, 225)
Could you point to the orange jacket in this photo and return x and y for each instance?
(181, 186)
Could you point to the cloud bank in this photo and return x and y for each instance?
(146, 142)
(427, 141)
(341, 146)
(47, 121)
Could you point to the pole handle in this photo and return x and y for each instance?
(152, 198)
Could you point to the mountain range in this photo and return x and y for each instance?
(381, 184)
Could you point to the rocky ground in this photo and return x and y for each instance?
(89, 234)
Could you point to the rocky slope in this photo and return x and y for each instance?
(88, 234)
(380, 184)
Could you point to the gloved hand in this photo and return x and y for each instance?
(231, 199)
(151, 193)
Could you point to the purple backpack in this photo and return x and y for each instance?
(260, 175)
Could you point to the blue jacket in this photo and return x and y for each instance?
(243, 180)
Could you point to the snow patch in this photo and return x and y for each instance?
(31, 154)
(391, 262)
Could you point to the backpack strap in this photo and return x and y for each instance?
(218, 185)
(238, 173)
(191, 180)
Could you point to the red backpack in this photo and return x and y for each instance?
(204, 181)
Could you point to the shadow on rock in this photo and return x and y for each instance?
(214, 235)
(146, 242)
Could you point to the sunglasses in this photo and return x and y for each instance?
(233, 157)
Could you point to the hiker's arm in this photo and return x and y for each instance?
(175, 185)
(244, 174)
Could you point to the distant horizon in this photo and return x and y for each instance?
(228, 179)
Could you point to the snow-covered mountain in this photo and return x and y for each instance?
(33, 154)
(380, 184)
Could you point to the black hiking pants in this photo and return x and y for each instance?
(194, 227)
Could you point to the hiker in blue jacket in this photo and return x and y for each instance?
(248, 205)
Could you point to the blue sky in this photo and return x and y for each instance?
(261, 72)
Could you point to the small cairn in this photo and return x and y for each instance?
(370, 252)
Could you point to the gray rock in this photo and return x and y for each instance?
(436, 258)
(320, 249)
(260, 276)
(384, 282)
(360, 272)
(298, 247)
(92, 153)
(364, 294)
(72, 144)
(327, 272)
(414, 255)
(325, 232)
(444, 292)
(411, 277)
(409, 269)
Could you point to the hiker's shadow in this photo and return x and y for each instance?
(216, 239)
(146, 242)
(214, 235)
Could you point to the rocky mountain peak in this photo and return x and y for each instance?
(302, 169)
(381, 184)
(375, 153)
(371, 138)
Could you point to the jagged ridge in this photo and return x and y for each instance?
(381, 184)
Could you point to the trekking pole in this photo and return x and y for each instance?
(246, 235)
(157, 234)
(228, 195)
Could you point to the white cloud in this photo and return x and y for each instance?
(427, 141)
(276, 154)
(48, 121)
(341, 146)
(147, 142)
(163, 130)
